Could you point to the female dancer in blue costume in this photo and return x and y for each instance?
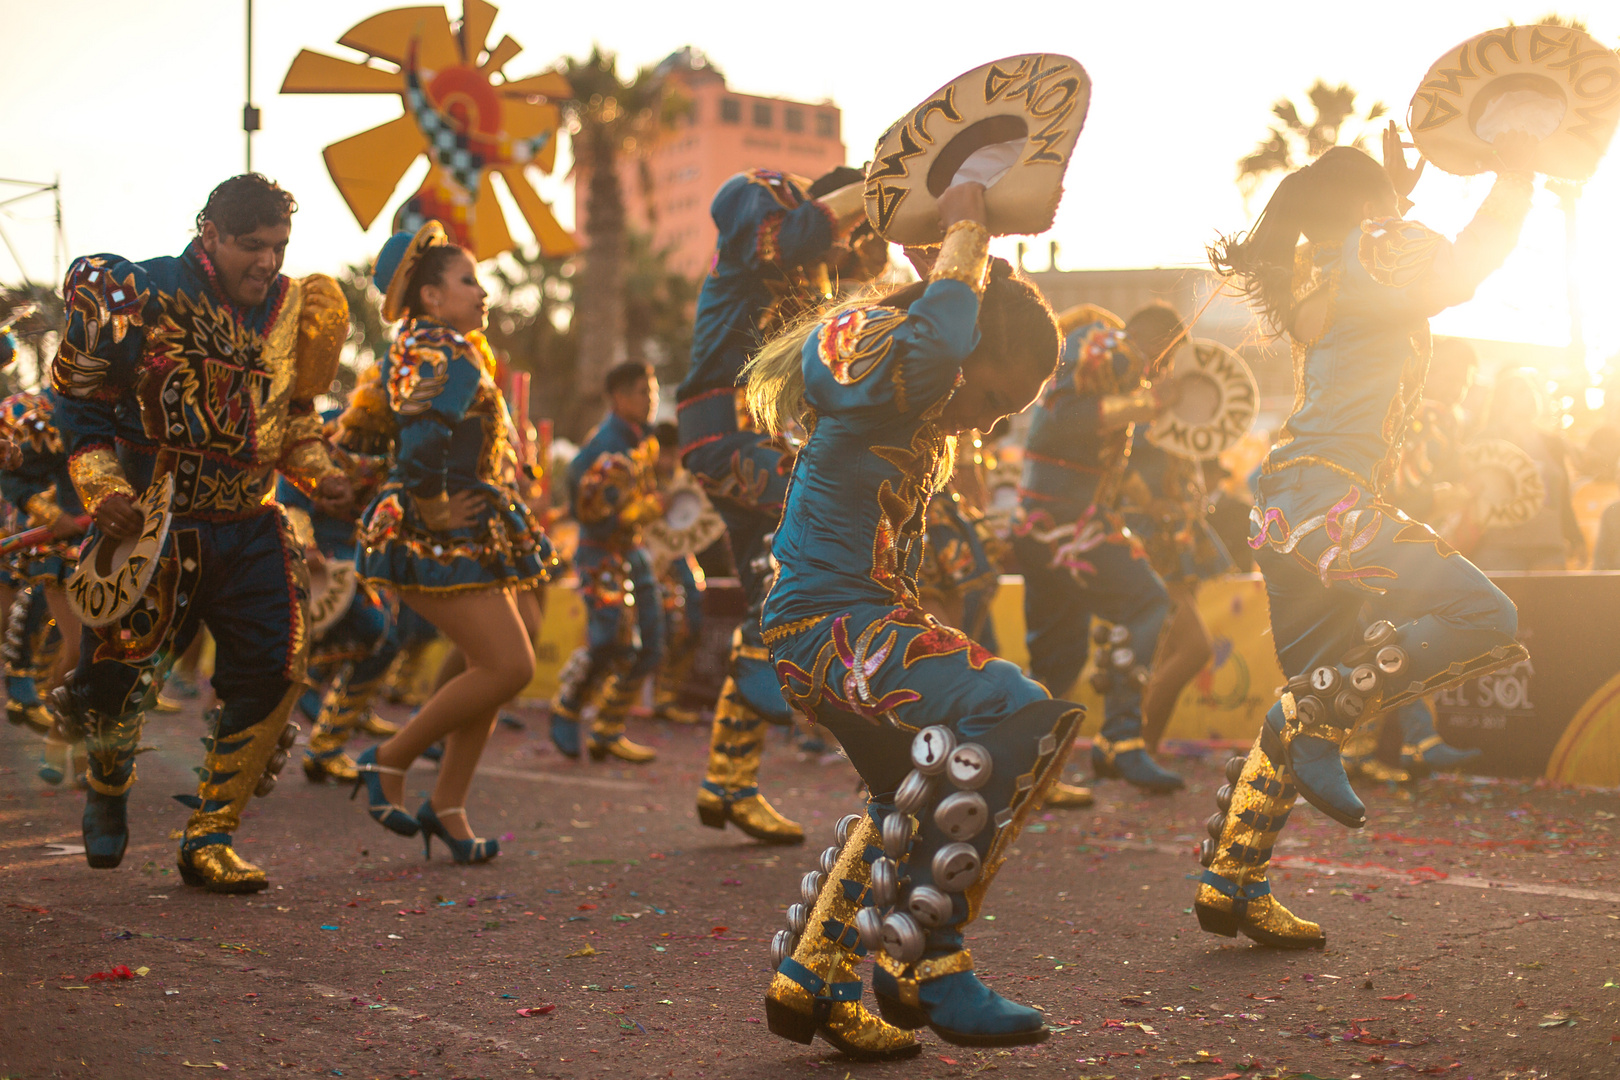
(883, 388)
(444, 532)
(1369, 609)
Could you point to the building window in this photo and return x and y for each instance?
(730, 110)
(827, 125)
(762, 114)
(793, 119)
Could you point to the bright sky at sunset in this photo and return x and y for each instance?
(139, 110)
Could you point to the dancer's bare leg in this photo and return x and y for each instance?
(488, 630)
(1184, 649)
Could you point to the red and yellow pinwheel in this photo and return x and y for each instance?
(471, 121)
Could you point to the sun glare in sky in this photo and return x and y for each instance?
(140, 113)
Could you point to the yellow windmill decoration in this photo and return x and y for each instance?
(471, 121)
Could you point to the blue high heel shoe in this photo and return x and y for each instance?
(391, 816)
(475, 850)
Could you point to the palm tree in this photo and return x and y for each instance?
(37, 334)
(1292, 143)
(610, 119)
(531, 321)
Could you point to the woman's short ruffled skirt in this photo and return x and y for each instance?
(506, 549)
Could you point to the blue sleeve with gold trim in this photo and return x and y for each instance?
(110, 304)
(764, 217)
(869, 363)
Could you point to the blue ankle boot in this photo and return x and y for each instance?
(941, 992)
(564, 734)
(106, 829)
(1129, 760)
(1307, 749)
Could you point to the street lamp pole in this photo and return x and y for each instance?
(250, 111)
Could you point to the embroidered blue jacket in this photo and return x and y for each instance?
(1359, 380)
(613, 484)
(852, 528)
(769, 228)
(1070, 461)
(454, 433)
(160, 367)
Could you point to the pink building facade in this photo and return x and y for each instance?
(724, 133)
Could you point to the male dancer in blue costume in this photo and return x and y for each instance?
(39, 488)
(202, 368)
(613, 491)
(884, 389)
(1370, 610)
(1077, 556)
(779, 240)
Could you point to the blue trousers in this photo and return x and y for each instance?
(621, 638)
(1059, 603)
(247, 581)
(744, 475)
(1336, 558)
(916, 673)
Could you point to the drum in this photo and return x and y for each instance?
(1216, 407)
(112, 575)
(1010, 125)
(1554, 82)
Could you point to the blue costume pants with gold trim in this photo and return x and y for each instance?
(247, 580)
(874, 676)
(1335, 560)
(1123, 589)
(620, 638)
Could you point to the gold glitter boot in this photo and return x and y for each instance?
(341, 713)
(235, 769)
(816, 989)
(1234, 894)
(607, 730)
(730, 790)
(673, 671)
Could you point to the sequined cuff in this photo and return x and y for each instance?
(98, 476)
(964, 255)
(304, 461)
(434, 512)
(1117, 410)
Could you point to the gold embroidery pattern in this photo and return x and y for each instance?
(853, 343)
(1395, 252)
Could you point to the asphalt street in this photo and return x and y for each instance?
(1471, 933)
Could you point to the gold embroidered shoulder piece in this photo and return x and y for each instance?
(856, 341)
(1395, 252)
(323, 327)
(420, 371)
